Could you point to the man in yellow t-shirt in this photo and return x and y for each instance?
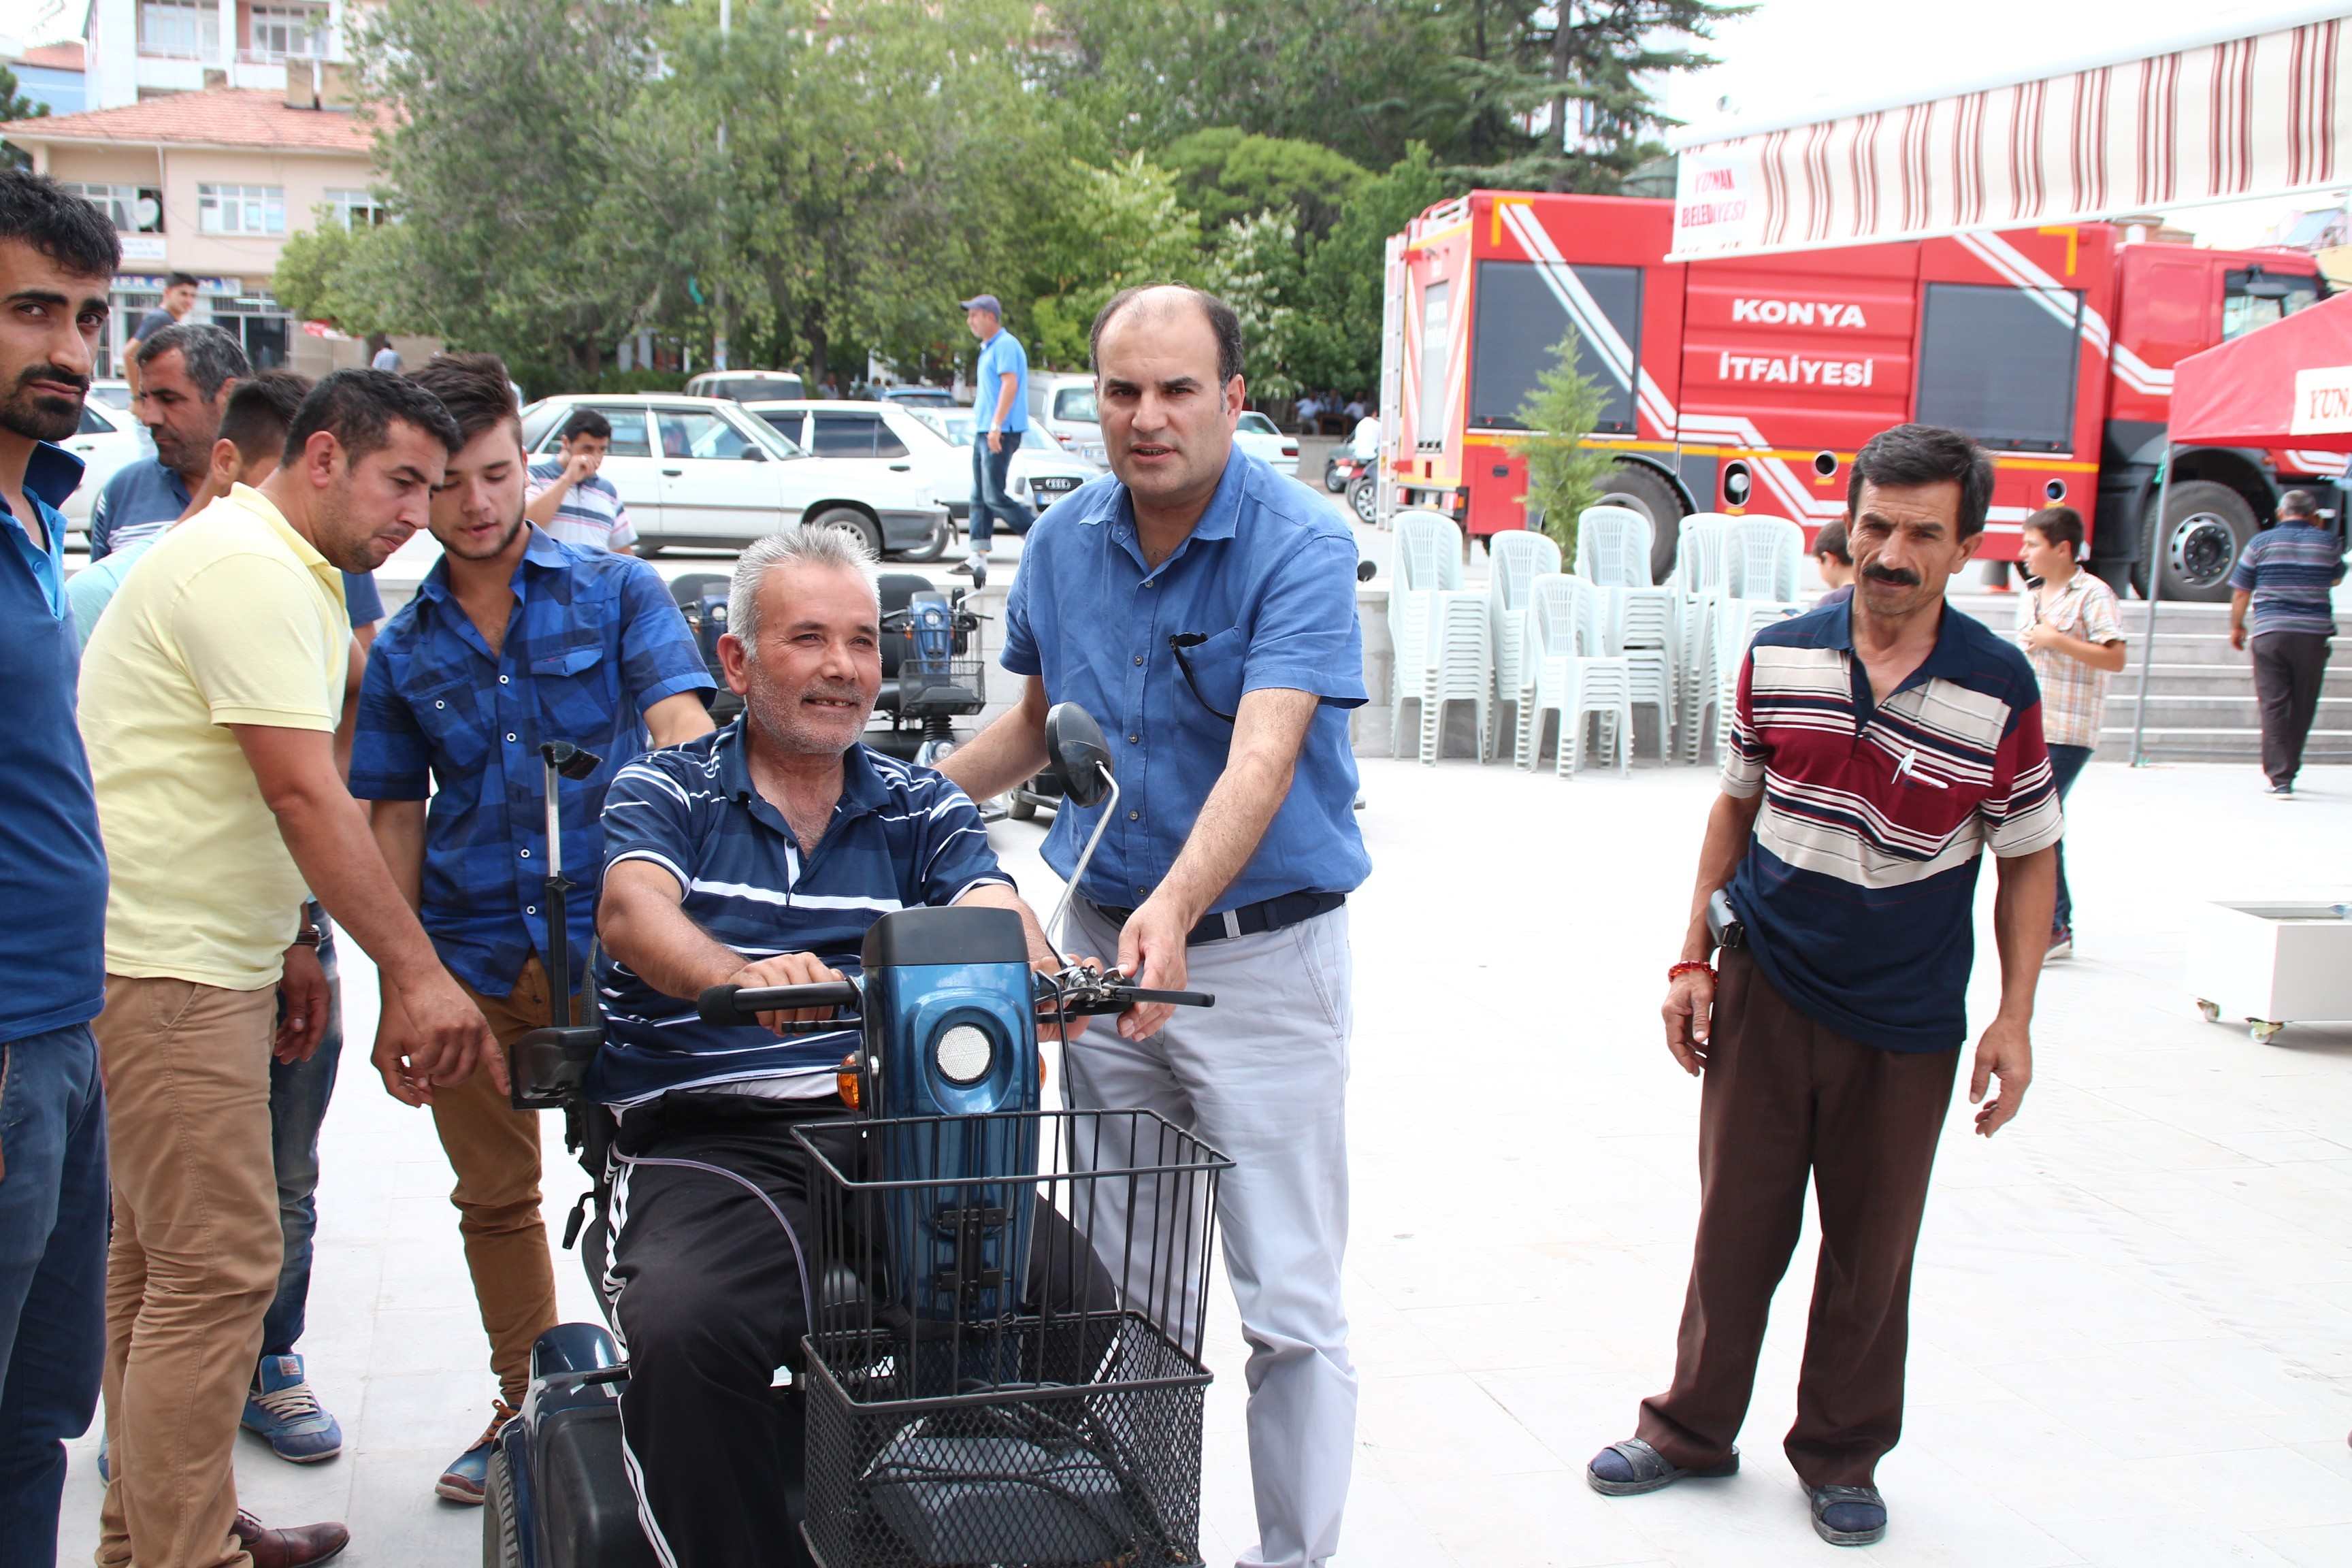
(209, 697)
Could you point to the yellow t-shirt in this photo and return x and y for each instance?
(231, 618)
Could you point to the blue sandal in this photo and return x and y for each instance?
(1633, 1467)
(1848, 1516)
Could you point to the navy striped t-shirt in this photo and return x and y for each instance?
(2289, 569)
(901, 836)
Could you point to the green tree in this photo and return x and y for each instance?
(14, 105)
(1256, 269)
(330, 273)
(1564, 475)
(1338, 332)
(1226, 174)
(1118, 226)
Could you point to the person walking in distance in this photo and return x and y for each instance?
(568, 499)
(1836, 560)
(1877, 747)
(1203, 608)
(2073, 633)
(209, 694)
(2284, 578)
(189, 370)
(512, 640)
(58, 256)
(178, 299)
(1000, 408)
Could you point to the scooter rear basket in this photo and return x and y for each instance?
(1007, 1370)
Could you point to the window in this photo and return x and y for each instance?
(1523, 311)
(629, 438)
(180, 28)
(357, 209)
(1076, 405)
(699, 432)
(135, 209)
(280, 32)
(241, 209)
(93, 423)
(2001, 363)
(2256, 298)
(854, 435)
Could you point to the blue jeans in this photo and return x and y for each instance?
(989, 501)
(297, 1105)
(53, 1230)
(2065, 762)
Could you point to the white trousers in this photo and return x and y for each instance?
(1262, 1077)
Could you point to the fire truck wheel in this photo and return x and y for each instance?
(1647, 492)
(2206, 525)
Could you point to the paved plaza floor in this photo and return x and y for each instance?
(2133, 1312)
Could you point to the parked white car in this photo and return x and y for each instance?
(1263, 439)
(1063, 406)
(107, 439)
(743, 385)
(933, 442)
(705, 471)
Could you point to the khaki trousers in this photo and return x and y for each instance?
(494, 1149)
(194, 1262)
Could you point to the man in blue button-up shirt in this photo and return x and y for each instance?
(514, 639)
(1203, 608)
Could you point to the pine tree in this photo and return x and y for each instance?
(1564, 476)
(14, 105)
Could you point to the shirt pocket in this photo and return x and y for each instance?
(1211, 673)
(573, 683)
(449, 710)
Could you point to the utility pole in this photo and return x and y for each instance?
(719, 338)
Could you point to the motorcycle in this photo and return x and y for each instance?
(990, 1375)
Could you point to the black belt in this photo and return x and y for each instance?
(1271, 914)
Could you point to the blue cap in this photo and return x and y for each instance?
(987, 303)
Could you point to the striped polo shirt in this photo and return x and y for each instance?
(2289, 569)
(1859, 887)
(592, 513)
(901, 836)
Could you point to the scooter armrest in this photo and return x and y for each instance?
(549, 1068)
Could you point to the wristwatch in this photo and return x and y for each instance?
(313, 929)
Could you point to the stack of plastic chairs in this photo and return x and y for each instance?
(1443, 650)
(1702, 578)
(1612, 547)
(1736, 623)
(1564, 671)
(1767, 555)
(1645, 629)
(1517, 558)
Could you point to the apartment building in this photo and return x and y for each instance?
(140, 49)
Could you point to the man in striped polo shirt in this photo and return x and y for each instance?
(2283, 576)
(1879, 747)
(568, 499)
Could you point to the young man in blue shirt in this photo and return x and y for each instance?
(513, 640)
(1000, 418)
(2286, 577)
(58, 256)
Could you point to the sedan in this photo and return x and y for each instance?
(933, 442)
(1263, 439)
(107, 439)
(704, 472)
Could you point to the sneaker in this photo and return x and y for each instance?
(468, 1474)
(2062, 945)
(2281, 791)
(967, 567)
(281, 1408)
(105, 1470)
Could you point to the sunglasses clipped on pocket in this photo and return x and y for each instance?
(1177, 644)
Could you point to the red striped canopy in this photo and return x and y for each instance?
(2234, 116)
(2288, 384)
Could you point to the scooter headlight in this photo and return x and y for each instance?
(963, 1054)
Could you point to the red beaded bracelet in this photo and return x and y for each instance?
(1690, 966)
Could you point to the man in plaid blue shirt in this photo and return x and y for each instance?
(512, 640)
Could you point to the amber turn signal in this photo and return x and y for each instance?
(845, 1081)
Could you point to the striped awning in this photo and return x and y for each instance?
(2238, 116)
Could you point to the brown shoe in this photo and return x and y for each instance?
(296, 1548)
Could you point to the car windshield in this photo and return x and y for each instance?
(955, 427)
(774, 440)
(1076, 405)
(1259, 425)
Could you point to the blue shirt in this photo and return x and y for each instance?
(1000, 356)
(94, 586)
(1268, 577)
(52, 862)
(1858, 888)
(137, 505)
(2289, 569)
(593, 641)
(901, 837)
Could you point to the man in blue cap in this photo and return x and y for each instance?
(1000, 409)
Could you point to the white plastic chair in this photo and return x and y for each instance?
(1566, 674)
(1459, 668)
(1703, 554)
(1425, 581)
(1517, 559)
(1645, 629)
(1612, 547)
(1736, 623)
(1768, 555)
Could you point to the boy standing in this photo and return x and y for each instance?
(2073, 633)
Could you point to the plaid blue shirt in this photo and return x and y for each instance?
(2289, 569)
(901, 837)
(594, 641)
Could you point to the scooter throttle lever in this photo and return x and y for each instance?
(1173, 998)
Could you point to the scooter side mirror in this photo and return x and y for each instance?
(1076, 750)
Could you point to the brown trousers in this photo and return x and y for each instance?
(494, 1149)
(1784, 1096)
(194, 1261)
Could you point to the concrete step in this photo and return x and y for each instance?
(2227, 745)
(2224, 710)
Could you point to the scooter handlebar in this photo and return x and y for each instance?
(744, 1004)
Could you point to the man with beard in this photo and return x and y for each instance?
(57, 254)
(209, 697)
(514, 639)
(758, 856)
(1880, 746)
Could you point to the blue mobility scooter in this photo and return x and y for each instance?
(1004, 1363)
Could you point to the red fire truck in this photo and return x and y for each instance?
(1746, 384)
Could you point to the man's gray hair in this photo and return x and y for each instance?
(829, 547)
(210, 354)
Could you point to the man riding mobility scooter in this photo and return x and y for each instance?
(988, 1377)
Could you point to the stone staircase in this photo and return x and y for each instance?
(2201, 705)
